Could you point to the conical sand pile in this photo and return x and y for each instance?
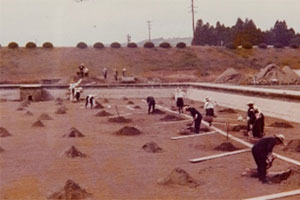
(98, 105)
(103, 113)
(4, 132)
(28, 113)
(179, 177)
(71, 191)
(61, 110)
(226, 146)
(227, 110)
(59, 101)
(74, 133)
(45, 116)
(171, 118)
(20, 108)
(130, 102)
(38, 123)
(25, 103)
(128, 131)
(73, 152)
(293, 145)
(281, 125)
(137, 107)
(119, 120)
(152, 147)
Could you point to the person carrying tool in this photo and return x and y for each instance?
(151, 104)
(250, 117)
(197, 117)
(262, 153)
(179, 99)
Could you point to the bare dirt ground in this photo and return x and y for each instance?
(33, 165)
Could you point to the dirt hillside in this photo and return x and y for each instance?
(189, 64)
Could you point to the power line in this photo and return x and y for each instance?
(149, 30)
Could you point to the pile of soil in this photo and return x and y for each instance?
(272, 73)
(46, 96)
(120, 120)
(281, 125)
(59, 101)
(28, 113)
(152, 147)
(20, 108)
(125, 99)
(25, 103)
(226, 146)
(74, 133)
(38, 123)
(158, 112)
(227, 110)
(237, 128)
(294, 178)
(105, 100)
(294, 78)
(45, 116)
(4, 132)
(61, 110)
(171, 118)
(70, 191)
(103, 113)
(274, 177)
(293, 145)
(231, 76)
(130, 103)
(73, 152)
(128, 131)
(98, 105)
(137, 107)
(1, 150)
(179, 177)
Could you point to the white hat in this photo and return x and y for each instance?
(250, 103)
(207, 97)
(280, 137)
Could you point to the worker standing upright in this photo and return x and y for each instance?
(116, 74)
(259, 124)
(179, 99)
(104, 72)
(124, 72)
(72, 87)
(151, 104)
(250, 117)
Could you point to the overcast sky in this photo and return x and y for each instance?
(67, 22)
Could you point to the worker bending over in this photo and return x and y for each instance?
(197, 118)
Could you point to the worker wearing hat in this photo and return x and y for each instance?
(250, 117)
(262, 150)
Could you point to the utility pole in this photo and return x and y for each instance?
(193, 17)
(149, 30)
(128, 38)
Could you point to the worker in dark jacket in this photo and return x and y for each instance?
(250, 117)
(259, 124)
(261, 150)
(151, 104)
(197, 118)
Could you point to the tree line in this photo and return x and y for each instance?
(244, 32)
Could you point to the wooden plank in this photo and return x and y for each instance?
(277, 195)
(195, 160)
(194, 135)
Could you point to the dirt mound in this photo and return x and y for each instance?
(1, 150)
(227, 110)
(4, 132)
(125, 99)
(130, 102)
(120, 120)
(239, 127)
(25, 103)
(171, 118)
(231, 76)
(46, 96)
(293, 145)
(70, 191)
(294, 178)
(105, 100)
(294, 78)
(20, 108)
(61, 110)
(179, 177)
(98, 105)
(152, 147)
(28, 113)
(45, 116)
(281, 125)
(158, 112)
(38, 123)
(226, 146)
(273, 74)
(103, 114)
(73, 152)
(128, 131)
(59, 101)
(74, 133)
(137, 107)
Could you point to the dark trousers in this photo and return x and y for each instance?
(77, 96)
(261, 165)
(180, 104)
(210, 112)
(151, 105)
(197, 125)
(89, 100)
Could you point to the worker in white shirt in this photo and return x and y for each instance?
(209, 106)
(179, 99)
(72, 87)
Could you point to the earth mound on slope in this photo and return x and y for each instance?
(73, 152)
(71, 191)
(179, 177)
(226, 146)
(119, 120)
(61, 110)
(227, 110)
(281, 125)
(128, 131)
(98, 105)
(4, 132)
(273, 74)
(152, 147)
(294, 78)
(38, 123)
(158, 112)
(45, 116)
(103, 114)
(293, 145)
(231, 76)
(73, 133)
(171, 118)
